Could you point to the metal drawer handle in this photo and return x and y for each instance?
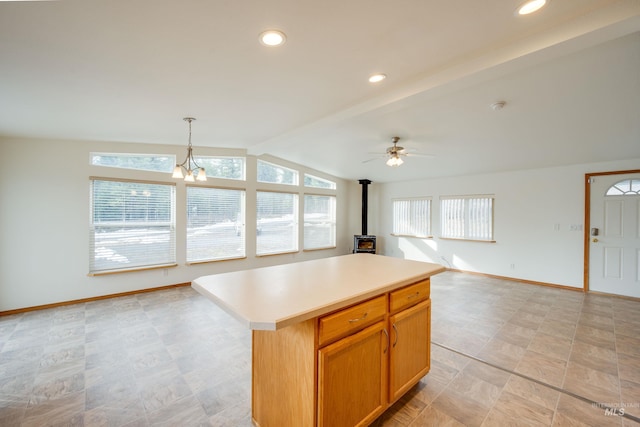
(396, 331)
(387, 334)
(417, 294)
(364, 316)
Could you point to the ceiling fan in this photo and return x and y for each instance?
(395, 153)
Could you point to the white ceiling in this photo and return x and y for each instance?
(122, 70)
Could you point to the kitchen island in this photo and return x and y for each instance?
(336, 340)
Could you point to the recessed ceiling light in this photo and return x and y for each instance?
(377, 78)
(530, 6)
(272, 38)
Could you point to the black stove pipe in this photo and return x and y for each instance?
(364, 183)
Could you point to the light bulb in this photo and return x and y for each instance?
(531, 6)
(177, 172)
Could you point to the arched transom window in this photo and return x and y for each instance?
(628, 187)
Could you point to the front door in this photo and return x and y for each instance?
(614, 234)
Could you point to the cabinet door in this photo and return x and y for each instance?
(410, 348)
(352, 378)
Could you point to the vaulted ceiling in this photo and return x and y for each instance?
(116, 70)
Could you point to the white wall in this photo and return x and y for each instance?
(44, 218)
(44, 214)
(538, 224)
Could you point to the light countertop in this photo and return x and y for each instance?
(271, 298)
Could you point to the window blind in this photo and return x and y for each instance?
(215, 224)
(277, 227)
(467, 217)
(412, 217)
(132, 225)
(319, 221)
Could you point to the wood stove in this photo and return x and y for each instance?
(364, 243)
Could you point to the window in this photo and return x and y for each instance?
(412, 217)
(277, 228)
(314, 181)
(467, 217)
(275, 174)
(223, 167)
(145, 162)
(628, 187)
(319, 222)
(215, 224)
(132, 225)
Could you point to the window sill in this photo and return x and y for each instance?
(467, 240)
(276, 253)
(319, 249)
(130, 270)
(207, 261)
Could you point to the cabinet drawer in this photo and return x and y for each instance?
(409, 296)
(351, 319)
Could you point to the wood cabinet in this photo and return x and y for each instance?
(344, 368)
(410, 348)
(352, 377)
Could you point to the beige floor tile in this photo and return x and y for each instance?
(596, 336)
(628, 345)
(533, 392)
(551, 345)
(575, 412)
(511, 409)
(502, 353)
(591, 383)
(558, 328)
(433, 417)
(630, 397)
(517, 335)
(475, 389)
(543, 368)
(461, 407)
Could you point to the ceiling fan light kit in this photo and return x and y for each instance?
(395, 161)
(498, 105)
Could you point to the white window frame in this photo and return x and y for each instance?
(327, 222)
(264, 226)
(330, 185)
(203, 160)
(467, 217)
(130, 233)
(294, 172)
(216, 235)
(170, 158)
(412, 217)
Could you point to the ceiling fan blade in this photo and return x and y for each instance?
(427, 156)
(375, 158)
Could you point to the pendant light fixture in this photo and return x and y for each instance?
(189, 166)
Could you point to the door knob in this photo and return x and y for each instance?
(595, 240)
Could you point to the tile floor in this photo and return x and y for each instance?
(503, 353)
